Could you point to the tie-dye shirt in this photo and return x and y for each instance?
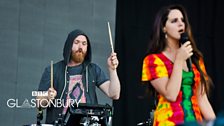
(185, 108)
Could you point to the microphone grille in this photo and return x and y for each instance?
(184, 37)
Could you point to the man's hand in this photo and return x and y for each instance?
(42, 101)
(51, 93)
(112, 61)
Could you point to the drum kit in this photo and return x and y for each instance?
(81, 115)
(89, 115)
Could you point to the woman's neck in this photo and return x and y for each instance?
(171, 49)
(172, 44)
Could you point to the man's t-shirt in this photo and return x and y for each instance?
(75, 77)
(76, 88)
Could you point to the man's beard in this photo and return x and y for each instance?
(78, 56)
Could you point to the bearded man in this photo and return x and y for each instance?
(76, 77)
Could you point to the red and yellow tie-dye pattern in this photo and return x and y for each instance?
(171, 113)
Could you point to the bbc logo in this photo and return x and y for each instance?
(39, 93)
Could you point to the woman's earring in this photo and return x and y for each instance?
(165, 35)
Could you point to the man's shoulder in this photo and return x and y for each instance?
(93, 66)
(61, 62)
(56, 65)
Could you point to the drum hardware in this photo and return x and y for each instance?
(149, 121)
(59, 121)
(39, 116)
(88, 115)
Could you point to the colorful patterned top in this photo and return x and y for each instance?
(185, 108)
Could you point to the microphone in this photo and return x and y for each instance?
(184, 38)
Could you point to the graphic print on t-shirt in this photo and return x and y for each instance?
(75, 90)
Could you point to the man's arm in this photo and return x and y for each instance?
(112, 87)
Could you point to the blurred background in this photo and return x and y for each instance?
(33, 32)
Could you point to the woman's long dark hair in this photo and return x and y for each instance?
(158, 41)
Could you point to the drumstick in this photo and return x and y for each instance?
(52, 74)
(111, 41)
